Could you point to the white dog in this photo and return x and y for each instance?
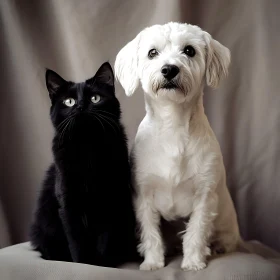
(179, 170)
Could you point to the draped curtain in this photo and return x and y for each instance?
(75, 37)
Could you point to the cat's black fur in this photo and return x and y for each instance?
(84, 212)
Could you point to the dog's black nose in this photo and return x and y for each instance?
(169, 71)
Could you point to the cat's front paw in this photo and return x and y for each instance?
(190, 264)
(151, 265)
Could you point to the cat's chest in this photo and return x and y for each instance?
(89, 169)
(90, 177)
(88, 194)
(85, 159)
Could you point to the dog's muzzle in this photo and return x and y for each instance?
(169, 85)
(169, 71)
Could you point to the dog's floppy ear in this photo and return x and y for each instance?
(217, 61)
(126, 66)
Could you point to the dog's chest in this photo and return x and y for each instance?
(173, 203)
(171, 156)
(170, 168)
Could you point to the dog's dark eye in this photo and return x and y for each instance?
(152, 53)
(189, 51)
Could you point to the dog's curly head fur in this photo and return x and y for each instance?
(190, 54)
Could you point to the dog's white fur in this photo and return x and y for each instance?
(179, 168)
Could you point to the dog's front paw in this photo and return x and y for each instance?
(151, 265)
(195, 260)
(190, 264)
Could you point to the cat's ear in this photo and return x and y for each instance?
(53, 82)
(105, 74)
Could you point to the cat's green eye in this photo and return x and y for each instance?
(95, 98)
(69, 102)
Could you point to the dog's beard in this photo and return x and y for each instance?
(170, 85)
(183, 84)
(173, 85)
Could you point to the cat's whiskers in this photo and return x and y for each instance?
(95, 116)
(104, 119)
(66, 128)
(103, 113)
(63, 122)
(98, 110)
(111, 120)
(71, 126)
(62, 134)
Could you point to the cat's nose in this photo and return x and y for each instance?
(80, 108)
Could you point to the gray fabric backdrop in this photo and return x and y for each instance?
(75, 37)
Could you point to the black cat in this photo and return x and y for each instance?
(84, 212)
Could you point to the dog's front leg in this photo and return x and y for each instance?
(199, 230)
(151, 245)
